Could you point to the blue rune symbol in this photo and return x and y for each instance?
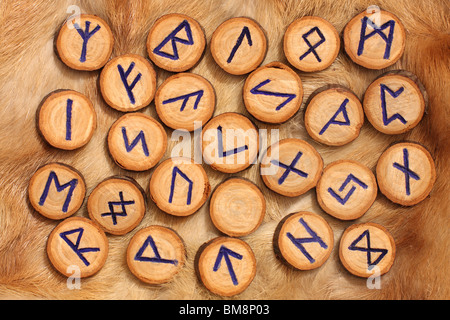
(85, 35)
(289, 96)
(69, 119)
(76, 246)
(185, 98)
(176, 171)
(377, 30)
(312, 48)
(342, 109)
(223, 154)
(122, 203)
(290, 168)
(350, 177)
(394, 94)
(139, 137)
(408, 172)
(225, 253)
(245, 33)
(124, 77)
(298, 242)
(368, 249)
(54, 178)
(174, 39)
(157, 258)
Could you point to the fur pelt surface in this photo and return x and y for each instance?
(29, 70)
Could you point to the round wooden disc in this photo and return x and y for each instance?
(77, 244)
(57, 191)
(66, 119)
(179, 186)
(367, 47)
(291, 167)
(237, 207)
(184, 99)
(156, 254)
(117, 205)
(273, 93)
(176, 42)
(303, 240)
(406, 173)
(311, 44)
(334, 116)
(137, 142)
(346, 190)
(86, 46)
(128, 83)
(225, 266)
(395, 102)
(367, 249)
(239, 45)
(230, 143)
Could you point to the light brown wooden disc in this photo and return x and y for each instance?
(291, 167)
(239, 45)
(77, 246)
(323, 48)
(179, 186)
(273, 93)
(176, 31)
(160, 266)
(334, 115)
(360, 238)
(346, 190)
(148, 135)
(366, 47)
(395, 102)
(215, 274)
(128, 83)
(406, 183)
(80, 54)
(230, 143)
(237, 207)
(184, 99)
(117, 205)
(289, 245)
(56, 191)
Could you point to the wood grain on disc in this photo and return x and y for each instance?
(291, 167)
(156, 254)
(239, 45)
(176, 42)
(66, 119)
(85, 43)
(179, 186)
(137, 142)
(237, 207)
(367, 249)
(225, 266)
(406, 173)
(77, 247)
(128, 83)
(334, 115)
(303, 240)
(184, 99)
(56, 191)
(117, 204)
(346, 190)
(273, 93)
(311, 44)
(395, 102)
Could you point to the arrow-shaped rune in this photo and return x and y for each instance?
(185, 99)
(225, 253)
(289, 96)
(245, 33)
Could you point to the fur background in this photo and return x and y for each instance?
(29, 70)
